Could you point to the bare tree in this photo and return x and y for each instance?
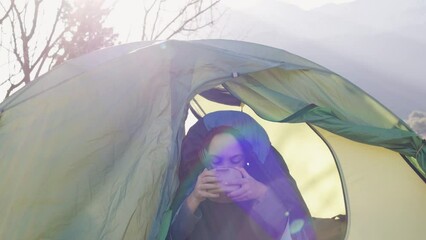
(31, 40)
(192, 16)
(40, 38)
(42, 33)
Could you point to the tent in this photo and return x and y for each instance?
(90, 150)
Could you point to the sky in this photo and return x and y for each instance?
(322, 36)
(303, 4)
(379, 45)
(128, 10)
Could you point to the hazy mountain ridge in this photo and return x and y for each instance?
(379, 46)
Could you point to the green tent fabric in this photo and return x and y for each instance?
(326, 100)
(90, 150)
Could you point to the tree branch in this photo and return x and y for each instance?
(13, 86)
(12, 3)
(35, 18)
(21, 25)
(157, 17)
(176, 17)
(7, 80)
(192, 18)
(197, 28)
(45, 53)
(145, 18)
(15, 44)
(53, 60)
(24, 61)
(49, 45)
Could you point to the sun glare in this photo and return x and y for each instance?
(127, 15)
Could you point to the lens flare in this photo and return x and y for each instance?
(296, 226)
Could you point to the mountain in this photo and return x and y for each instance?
(378, 45)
